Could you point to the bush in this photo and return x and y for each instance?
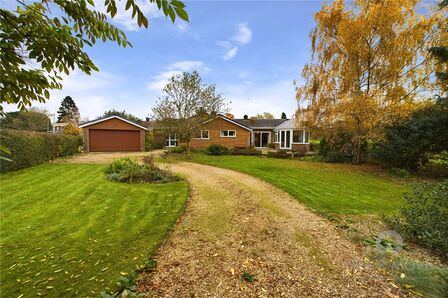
(336, 149)
(29, 148)
(149, 141)
(279, 154)
(424, 219)
(70, 129)
(127, 170)
(403, 173)
(216, 149)
(271, 145)
(246, 151)
(435, 166)
(406, 143)
(182, 148)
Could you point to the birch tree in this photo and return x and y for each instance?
(370, 64)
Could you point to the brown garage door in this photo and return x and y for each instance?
(101, 140)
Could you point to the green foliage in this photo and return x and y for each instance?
(403, 173)
(182, 148)
(284, 116)
(32, 148)
(247, 277)
(127, 170)
(338, 148)
(126, 287)
(424, 219)
(407, 143)
(122, 114)
(217, 149)
(271, 145)
(68, 111)
(436, 166)
(52, 38)
(149, 141)
(33, 120)
(70, 217)
(265, 115)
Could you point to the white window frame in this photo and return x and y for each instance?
(221, 133)
(202, 136)
(277, 137)
(304, 133)
(170, 141)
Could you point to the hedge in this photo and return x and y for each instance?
(30, 148)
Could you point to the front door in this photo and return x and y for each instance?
(285, 139)
(261, 139)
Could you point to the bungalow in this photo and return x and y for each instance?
(117, 134)
(283, 134)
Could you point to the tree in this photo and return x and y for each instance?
(41, 39)
(122, 114)
(70, 129)
(369, 65)
(185, 104)
(265, 115)
(284, 116)
(440, 53)
(68, 111)
(33, 120)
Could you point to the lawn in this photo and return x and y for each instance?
(333, 188)
(67, 231)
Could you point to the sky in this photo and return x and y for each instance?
(251, 50)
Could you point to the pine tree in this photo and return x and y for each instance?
(284, 116)
(68, 110)
(440, 53)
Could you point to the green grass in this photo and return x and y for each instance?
(67, 231)
(329, 188)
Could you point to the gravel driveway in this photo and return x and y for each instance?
(236, 225)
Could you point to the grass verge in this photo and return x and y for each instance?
(67, 231)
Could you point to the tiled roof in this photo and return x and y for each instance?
(260, 123)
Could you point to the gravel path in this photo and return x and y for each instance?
(236, 224)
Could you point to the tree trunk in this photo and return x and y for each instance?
(359, 152)
(188, 148)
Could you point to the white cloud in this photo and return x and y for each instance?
(243, 34)
(159, 81)
(181, 26)
(230, 53)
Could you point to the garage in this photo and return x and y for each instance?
(113, 134)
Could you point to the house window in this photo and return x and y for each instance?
(202, 135)
(261, 139)
(227, 133)
(171, 141)
(297, 136)
(307, 137)
(277, 137)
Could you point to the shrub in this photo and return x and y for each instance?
(424, 219)
(182, 148)
(70, 129)
(338, 148)
(149, 141)
(271, 145)
(407, 142)
(279, 154)
(436, 165)
(217, 149)
(399, 172)
(246, 151)
(127, 170)
(29, 148)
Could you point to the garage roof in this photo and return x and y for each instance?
(108, 118)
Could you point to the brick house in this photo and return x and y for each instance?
(284, 134)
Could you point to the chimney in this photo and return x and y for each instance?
(246, 117)
(147, 119)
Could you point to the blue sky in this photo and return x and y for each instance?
(251, 50)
